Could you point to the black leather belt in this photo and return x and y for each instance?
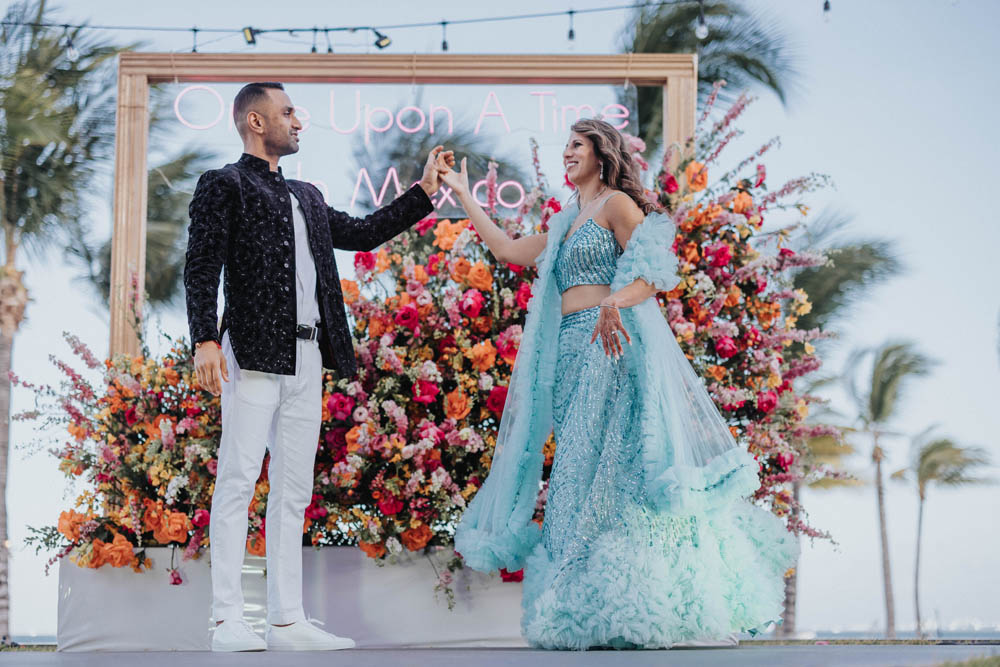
(306, 332)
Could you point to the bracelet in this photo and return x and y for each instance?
(214, 342)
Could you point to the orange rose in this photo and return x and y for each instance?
(417, 538)
(378, 326)
(174, 527)
(352, 438)
(697, 176)
(171, 376)
(456, 405)
(483, 355)
(733, 298)
(373, 550)
(460, 269)
(153, 515)
(691, 253)
(256, 545)
(350, 290)
(420, 274)
(98, 555)
(445, 234)
(718, 372)
(480, 277)
(381, 261)
(742, 202)
(119, 552)
(69, 524)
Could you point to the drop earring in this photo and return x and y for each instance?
(602, 172)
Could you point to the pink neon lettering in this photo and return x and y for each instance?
(187, 123)
(357, 113)
(517, 186)
(369, 114)
(541, 106)
(390, 175)
(623, 113)
(451, 122)
(404, 128)
(484, 113)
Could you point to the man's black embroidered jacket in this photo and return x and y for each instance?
(241, 217)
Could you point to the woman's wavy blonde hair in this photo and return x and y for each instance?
(612, 151)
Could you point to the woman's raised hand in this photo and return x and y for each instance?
(457, 180)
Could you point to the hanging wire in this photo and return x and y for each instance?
(444, 35)
(194, 40)
(329, 45)
(572, 34)
(315, 33)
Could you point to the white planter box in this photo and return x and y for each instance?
(111, 609)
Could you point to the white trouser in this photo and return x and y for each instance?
(281, 413)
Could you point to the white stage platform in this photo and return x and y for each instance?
(393, 605)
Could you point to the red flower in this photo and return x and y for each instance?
(426, 224)
(201, 518)
(518, 270)
(753, 336)
(389, 504)
(786, 252)
(408, 317)
(670, 184)
(568, 183)
(340, 406)
(761, 284)
(471, 303)
(553, 204)
(767, 401)
(364, 261)
(495, 401)
(175, 578)
(130, 416)
(424, 391)
(523, 295)
(720, 253)
(785, 460)
(511, 576)
(725, 347)
(315, 509)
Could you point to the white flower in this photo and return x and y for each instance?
(393, 545)
(176, 484)
(485, 381)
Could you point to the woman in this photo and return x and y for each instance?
(648, 539)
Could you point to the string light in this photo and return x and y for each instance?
(250, 36)
(329, 46)
(701, 32)
(381, 41)
(194, 40)
(572, 34)
(315, 32)
(444, 35)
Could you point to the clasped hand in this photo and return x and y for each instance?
(439, 161)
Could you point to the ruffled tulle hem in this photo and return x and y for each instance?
(691, 490)
(484, 551)
(698, 578)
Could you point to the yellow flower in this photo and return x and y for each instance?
(802, 408)
(809, 348)
(774, 380)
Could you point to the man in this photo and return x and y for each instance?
(283, 321)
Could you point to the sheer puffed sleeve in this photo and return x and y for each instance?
(648, 255)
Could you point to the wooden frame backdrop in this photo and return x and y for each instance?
(676, 73)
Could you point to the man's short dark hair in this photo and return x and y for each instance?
(249, 95)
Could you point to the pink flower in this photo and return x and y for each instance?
(212, 466)
(201, 518)
(340, 406)
(408, 317)
(725, 347)
(471, 303)
(523, 296)
(175, 577)
(761, 175)
(389, 504)
(767, 401)
(364, 262)
(568, 183)
(316, 509)
(424, 391)
(786, 252)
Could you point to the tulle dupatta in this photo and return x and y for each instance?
(691, 462)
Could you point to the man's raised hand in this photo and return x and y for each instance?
(438, 161)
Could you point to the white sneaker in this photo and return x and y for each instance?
(304, 636)
(236, 636)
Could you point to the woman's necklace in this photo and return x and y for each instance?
(594, 198)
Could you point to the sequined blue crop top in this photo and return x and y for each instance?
(588, 257)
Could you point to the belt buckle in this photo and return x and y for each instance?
(305, 328)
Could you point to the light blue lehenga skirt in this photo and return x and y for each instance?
(610, 569)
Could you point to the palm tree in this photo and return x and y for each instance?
(742, 48)
(169, 193)
(893, 364)
(57, 121)
(944, 463)
(854, 267)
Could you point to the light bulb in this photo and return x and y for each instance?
(701, 32)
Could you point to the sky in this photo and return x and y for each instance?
(895, 101)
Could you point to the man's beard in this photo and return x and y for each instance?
(286, 147)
